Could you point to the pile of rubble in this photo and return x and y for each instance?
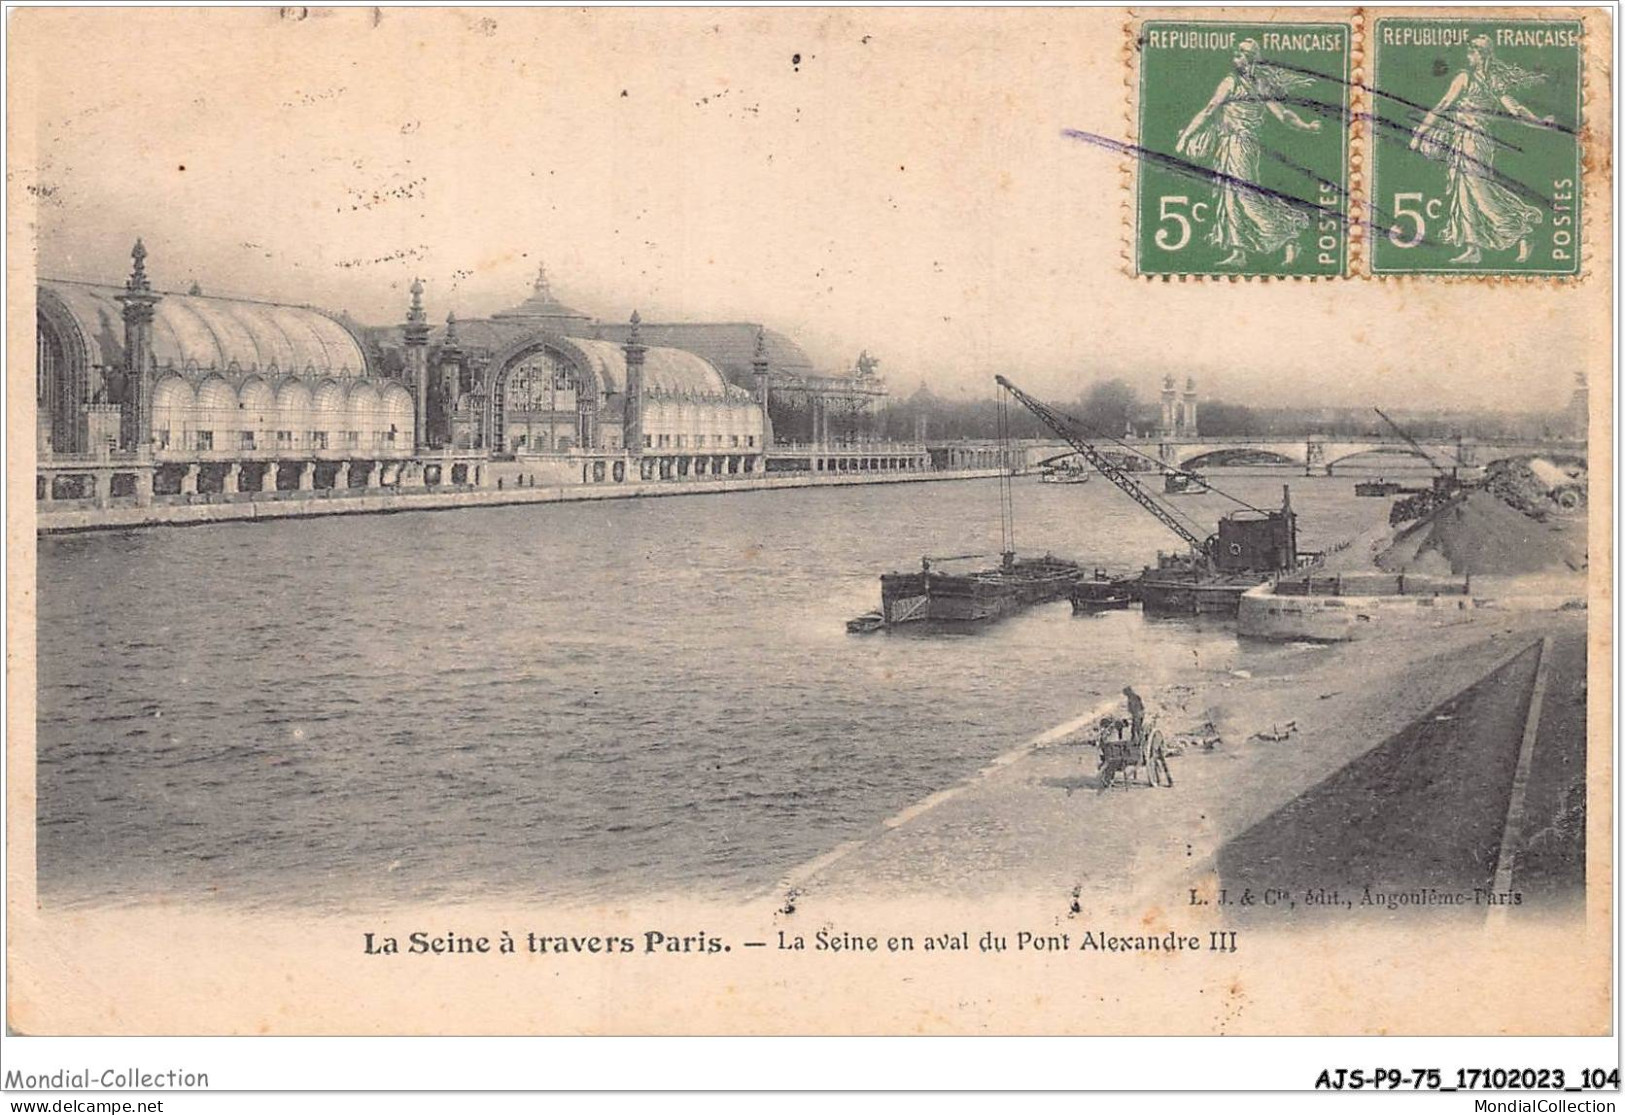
(1538, 486)
(1479, 533)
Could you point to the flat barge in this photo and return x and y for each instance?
(934, 595)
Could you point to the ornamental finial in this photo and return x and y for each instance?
(415, 313)
(138, 273)
(541, 286)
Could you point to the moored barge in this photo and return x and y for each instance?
(986, 594)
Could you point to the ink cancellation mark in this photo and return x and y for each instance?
(1244, 145)
(1476, 147)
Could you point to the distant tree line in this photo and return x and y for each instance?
(1111, 407)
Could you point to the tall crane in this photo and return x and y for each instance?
(1445, 484)
(1409, 440)
(1066, 429)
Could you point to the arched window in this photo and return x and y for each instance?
(328, 424)
(396, 420)
(217, 421)
(172, 406)
(293, 417)
(362, 412)
(542, 400)
(257, 418)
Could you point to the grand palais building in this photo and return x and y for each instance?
(143, 391)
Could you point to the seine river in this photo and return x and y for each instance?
(572, 701)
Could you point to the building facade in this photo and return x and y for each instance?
(209, 394)
(540, 385)
(145, 392)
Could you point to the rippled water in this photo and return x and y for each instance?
(579, 700)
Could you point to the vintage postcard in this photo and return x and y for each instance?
(775, 521)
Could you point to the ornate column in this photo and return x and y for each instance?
(135, 430)
(417, 363)
(759, 369)
(632, 414)
(449, 385)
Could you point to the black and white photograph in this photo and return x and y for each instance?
(686, 521)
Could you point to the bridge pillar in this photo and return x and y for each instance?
(1314, 453)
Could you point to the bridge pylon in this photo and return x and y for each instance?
(1314, 453)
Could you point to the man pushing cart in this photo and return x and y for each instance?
(1130, 744)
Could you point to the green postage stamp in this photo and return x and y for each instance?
(1476, 161)
(1243, 149)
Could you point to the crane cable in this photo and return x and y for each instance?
(1007, 509)
(1161, 465)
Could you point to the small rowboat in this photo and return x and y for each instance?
(1101, 594)
(1090, 604)
(865, 624)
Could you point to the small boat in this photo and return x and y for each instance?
(1376, 488)
(1067, 468)
(1101, 594)
(1183, 484)
(985, 594)
(865, 624)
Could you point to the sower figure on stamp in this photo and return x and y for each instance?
(1484, 213)
(1247, 217)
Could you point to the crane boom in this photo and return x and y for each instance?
(1409, 440)
(1064, 428)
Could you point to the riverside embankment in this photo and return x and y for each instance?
(1035, 822)
(308, 505)
(1388, 761)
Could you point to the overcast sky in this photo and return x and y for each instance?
(889, 180)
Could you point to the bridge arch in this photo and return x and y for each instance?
(1354, 452)
(1210, 457)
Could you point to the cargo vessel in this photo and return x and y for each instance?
(1067, 468)
(1251, 547)
(938, 596)
(1062, 474)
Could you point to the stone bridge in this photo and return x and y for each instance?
(1324, 453)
